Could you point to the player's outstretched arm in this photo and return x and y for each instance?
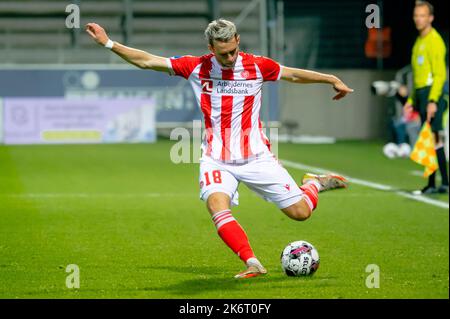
(139, 58)
(305, 76)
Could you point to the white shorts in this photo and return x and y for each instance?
(264, 175)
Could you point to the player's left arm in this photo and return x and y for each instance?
(306, 76)
(439, 71)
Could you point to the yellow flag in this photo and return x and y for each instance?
(424, 151)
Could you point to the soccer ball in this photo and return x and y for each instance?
(391, 150)
(404, 150)
(300, 258)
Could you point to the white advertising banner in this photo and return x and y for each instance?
(60, 121)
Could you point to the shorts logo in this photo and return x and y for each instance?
(288, 187)
(245, 74)
(207, 86)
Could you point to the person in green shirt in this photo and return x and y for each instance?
(429, 76)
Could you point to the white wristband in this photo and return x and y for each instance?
(109, 44)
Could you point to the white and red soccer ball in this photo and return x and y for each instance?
(300, 258)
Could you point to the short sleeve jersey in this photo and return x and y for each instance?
(230, 100)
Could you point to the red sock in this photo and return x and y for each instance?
(311, 194)
(232, 234)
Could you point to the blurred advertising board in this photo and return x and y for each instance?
(61, 121)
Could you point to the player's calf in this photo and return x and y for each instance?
(218, 202)
(229, 230)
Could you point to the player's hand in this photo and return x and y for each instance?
(97, 33)
(342, 90)
(431, 111)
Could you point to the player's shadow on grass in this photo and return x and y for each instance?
(215, 279)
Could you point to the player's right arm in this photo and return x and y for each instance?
(139, 58)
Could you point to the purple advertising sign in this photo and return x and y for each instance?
(59, 120)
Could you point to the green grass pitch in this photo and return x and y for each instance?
(132, 222)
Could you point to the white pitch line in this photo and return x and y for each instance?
(377, 186)
(416, 173)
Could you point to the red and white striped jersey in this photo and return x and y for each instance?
(230, 100)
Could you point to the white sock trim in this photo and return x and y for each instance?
(224, 221)
(221, 218)
(315, 183)
(216, 215)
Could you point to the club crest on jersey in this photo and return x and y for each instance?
(207, 86)
(245, 74)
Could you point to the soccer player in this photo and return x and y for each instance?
(227, 84)
(429, 74)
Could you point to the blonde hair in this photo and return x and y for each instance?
(220, 30)
(426, 4)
